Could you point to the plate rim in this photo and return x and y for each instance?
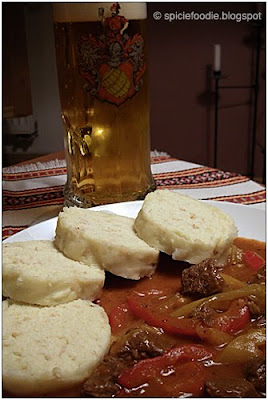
(131, 203)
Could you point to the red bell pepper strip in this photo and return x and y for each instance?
(188, 380)
(139, 306)
(253, 260)
(184, 380)
(232, 320)
(147, 369)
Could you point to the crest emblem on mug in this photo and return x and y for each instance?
(112, 63)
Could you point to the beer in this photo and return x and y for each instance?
(103, 81)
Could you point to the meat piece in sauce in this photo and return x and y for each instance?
(202, 279)
(260, 276)
(230, 388)
(140, 343)
(204, 313)
(256, 374)
(136, 344)
(102, 383)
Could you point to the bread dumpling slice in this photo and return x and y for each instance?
(36, 272)
(106, 240)
(50, 349)
(187, 229)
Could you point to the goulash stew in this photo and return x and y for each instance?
(188, 331)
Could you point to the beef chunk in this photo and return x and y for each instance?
(204, 313)
(102, 383)
(136, 344)
(256, 374)
(260, 276)
(230, 388)
(140, 343)
(202, 279)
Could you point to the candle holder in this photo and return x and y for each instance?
(217, 76)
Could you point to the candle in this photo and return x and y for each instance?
(217, 57)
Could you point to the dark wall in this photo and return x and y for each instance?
(16, 80)
(182, 87)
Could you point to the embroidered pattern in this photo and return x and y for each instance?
(212, 178)
(32, 198)
(203, 178)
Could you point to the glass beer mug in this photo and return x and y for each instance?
(103, 82)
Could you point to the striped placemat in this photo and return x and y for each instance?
(34, 192)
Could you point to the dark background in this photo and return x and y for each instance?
(182, 86)
(182, 98)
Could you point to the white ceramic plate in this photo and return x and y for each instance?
(250, 221)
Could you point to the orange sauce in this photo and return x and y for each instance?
(168, 278)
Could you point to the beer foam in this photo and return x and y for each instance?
(82, 12)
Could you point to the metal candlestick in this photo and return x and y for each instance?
(217, 75)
